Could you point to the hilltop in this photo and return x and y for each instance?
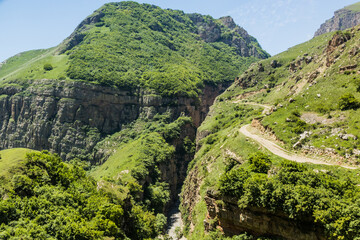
(129, 45)
(123, 61)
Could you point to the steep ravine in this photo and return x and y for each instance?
(70, 118)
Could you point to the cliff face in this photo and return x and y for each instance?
(69, 117)
(230, 33)
(343, 19)
(225, 215)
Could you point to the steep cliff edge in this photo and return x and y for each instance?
(344, 18)
(232, 220)
(70, 117)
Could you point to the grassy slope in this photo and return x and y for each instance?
(219, 147)
(354, 7)
(10, 161)
(227, 117)
(30, 65)
(17, 61)
(119, 163)
(11, 158)
(320, 96)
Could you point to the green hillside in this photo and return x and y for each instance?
(277, 156)
(311, 97)
(45, 198)
(134, 174)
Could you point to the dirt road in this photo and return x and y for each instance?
(249, 132)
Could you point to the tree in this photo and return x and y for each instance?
(260, 162)
(48, 67)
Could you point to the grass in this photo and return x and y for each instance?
(211, 160)
(34, 68)
(11, 159)
(19, 60)
(124, 159)
(321, 98)
(354, 7)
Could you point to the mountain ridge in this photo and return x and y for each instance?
(344, 18)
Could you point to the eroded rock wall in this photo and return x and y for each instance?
(342, 20)
(70, 117)
(225, 215)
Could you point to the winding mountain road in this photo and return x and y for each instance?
(251, 132)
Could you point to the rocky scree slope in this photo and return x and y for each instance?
(344, 18)
(313, 89)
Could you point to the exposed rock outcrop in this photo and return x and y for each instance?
(344, 18)
(240, 39)
(225, 215)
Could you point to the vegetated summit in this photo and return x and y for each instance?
(129, 45)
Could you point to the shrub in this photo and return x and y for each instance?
(291, 166)
(260, 162)
(348, 101)
(296, 113)
(211, 139)
(48, 67)
(300, 126)
(232, 182)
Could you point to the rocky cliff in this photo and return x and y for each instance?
(70, 117)
(232, 220)
(175, 62)
(344, 18)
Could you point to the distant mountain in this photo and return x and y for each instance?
(344, 18)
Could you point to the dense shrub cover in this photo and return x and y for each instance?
(143, 45)
(51, 199)
(328, 199)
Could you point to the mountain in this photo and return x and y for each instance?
(122, 97)
(279, 149)
(123, 61)
(344, 18)
(140, 104)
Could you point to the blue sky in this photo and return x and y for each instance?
(277, 24)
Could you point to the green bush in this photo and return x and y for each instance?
(232, 182)
(51, 199)
(259, 162)
(48, 67)
(327, 198)
(348, 101)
